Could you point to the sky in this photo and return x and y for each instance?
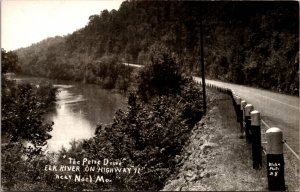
(24, 22)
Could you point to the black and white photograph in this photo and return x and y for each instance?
(136, 95)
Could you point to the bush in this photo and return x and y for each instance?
(109, 73)
(23, 108)
(161, 76)
(22, 168)
(148, 135)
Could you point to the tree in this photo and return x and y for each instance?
(9, 62)
(161, 76)
(236, 34)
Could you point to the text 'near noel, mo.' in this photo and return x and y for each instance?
(91, 170)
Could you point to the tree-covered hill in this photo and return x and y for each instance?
(252, 43)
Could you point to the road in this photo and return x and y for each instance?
(277, 110)
(133, 65)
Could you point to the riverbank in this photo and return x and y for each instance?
(215, 158)
(78, 106)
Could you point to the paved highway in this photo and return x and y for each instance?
(133, 65)
(277, 110)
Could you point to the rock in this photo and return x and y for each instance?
(199, 167)
(196, 187)
(208, 145)
(190, 176)
(202, 174)
(193, 178)
(175, 185)
(189, 173)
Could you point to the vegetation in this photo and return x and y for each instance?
(252, 43)
(9, 62)
(23, 129)
(50, 59)
(162, 76)
(149, 135)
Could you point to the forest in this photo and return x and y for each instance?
(23, 109)
(148, 135)
(251, 43)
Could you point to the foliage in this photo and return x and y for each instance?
(22, 110)
(108, 72)
(24, 131)
(45, 59)
(161, 76)
(9, 62)
(22, 168)
(148, 135)
(252, 43)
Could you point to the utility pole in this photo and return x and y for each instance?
(202, 64)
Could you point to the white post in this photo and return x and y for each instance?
(275, 160)
(256, 139)
(248, 109)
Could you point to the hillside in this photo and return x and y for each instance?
(252, 43)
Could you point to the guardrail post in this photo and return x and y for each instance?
(238, 107)
(256, 139)
(228, 91)
(248, 109)
(275, 161)
(243, 104)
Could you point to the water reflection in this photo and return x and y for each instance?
(79, 108)
(67, 123)
(67, 126)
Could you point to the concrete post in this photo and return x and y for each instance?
(243, 104)
(275, 160)
(238, 107)
(256, 139)
(248, 109)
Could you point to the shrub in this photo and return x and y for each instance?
(161, 76)
(23, 107)
(148, 135)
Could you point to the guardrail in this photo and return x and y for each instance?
(250, 128)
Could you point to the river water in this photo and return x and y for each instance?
(79, 108)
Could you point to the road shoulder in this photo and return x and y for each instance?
(215, 158)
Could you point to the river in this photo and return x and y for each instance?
(79, 108)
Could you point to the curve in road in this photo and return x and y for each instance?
(277, 110)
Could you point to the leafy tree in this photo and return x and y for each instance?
(9, 62)
(23, 107)
(147, 135)
(236, 35)
(161, 76)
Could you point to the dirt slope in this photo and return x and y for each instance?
(215, 158)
